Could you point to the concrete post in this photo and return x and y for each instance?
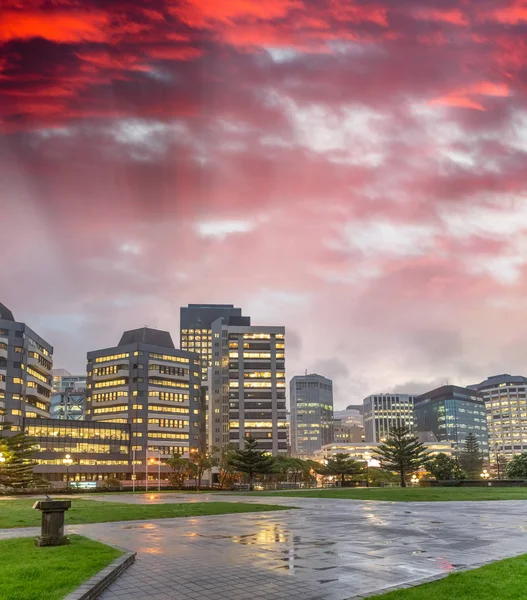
(52, 528)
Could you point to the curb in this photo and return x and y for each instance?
(94, 587)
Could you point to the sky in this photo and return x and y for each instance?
(355, 171)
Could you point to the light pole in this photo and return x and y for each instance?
(67, 460)
(484, 474)
(2, 457)
(367, 457)
(414, 479)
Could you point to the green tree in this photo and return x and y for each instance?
(402, 452)
(222, 460)
(182, 469)
(18, 449)
(470, 457)
(444, 467)
(341, 465)
(201, 461)
(251, 461)
(378, 476)
(517, 466)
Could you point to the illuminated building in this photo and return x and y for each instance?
(506, 410)
(63, 380)
(366, 451)
(145, 382)
(68, 405)
(382, 412)
(26, 361)
(247, 385)
(196, 329)
(311, 398)
(344, 433)
(449, 413)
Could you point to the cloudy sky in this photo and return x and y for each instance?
(354, 170)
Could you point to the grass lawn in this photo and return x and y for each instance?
(408, 494)
(28, 572)
(18, 513)
(503, 580)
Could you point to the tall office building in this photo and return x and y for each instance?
(63, 380)
(247, 385)
(382, 412)
(506, 409)
(311, 398)
(25, 371)
(196, 329)
(146, 382)
(449, 413)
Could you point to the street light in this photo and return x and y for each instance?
(2, 457)
(367, 456)
(485, 474)
(415, 479)
(67, 460)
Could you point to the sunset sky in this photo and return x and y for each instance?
(355, 171)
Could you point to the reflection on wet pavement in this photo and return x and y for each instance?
(326, 550)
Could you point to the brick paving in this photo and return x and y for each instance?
(329, 550)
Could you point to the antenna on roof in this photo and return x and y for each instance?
(306, 371)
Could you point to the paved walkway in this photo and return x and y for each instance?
(329, 550)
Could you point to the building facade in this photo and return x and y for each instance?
(311, 400)
(63, 380)
(196, 329)
(346, 434)
(449, 413)
(505, 399)
(382, 412)
(247, 386)
(146, 383)
(26, 361)
(367, 451)
(69, 405)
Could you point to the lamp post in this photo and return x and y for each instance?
(367, 457)
(2, 457)
(415, 479)
(484, 474)
(67, 460)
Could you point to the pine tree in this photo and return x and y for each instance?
(402, 452)
(18, 449)
(251, 461)
(470, 458)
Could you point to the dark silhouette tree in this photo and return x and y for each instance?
(470, 457)
(341, 465)
(251, 461)
(444, 468)
(402, 453)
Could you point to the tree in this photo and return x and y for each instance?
(470, 458)
(251, 461)
(444, 467)
(182, 469)
(341, 465)
(402, 452)
(222, 459)
(201, 461)
(517, 466)
(18, 449)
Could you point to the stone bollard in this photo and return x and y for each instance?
(52, 528)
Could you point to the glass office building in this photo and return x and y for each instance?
(449, 414)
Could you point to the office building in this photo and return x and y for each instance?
(311, 399)
(63, 380)
(367, 451)
(449, 413)
(145, 382)
(26, 361)
(382, 412)
(68, 405)
(346, 434)
(196, 329)
(506, 409)
(247, 385)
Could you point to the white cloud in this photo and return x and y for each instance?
(221, 229)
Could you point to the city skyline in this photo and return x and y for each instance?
(351, 170)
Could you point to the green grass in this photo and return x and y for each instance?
(503, 580)
(28, 572)
(408, 494)
(18, 513)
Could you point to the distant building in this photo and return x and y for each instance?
(346, 434)
(311, 399)
(69, 405)
(63, 380)
(146, 382)
(26, 361)
(196, 329)
(382, 412)
(449, 413)
(366, 451)
(247, 385)
(506, 410)
(351, 415)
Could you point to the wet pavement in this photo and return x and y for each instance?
(329, 550)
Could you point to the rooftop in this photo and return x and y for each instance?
(5, 313)
(145, 335)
